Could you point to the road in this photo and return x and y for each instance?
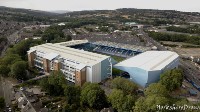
(39, 77)
(6, 86)
(191, 71)
(7, 90)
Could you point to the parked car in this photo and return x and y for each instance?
(21, 88)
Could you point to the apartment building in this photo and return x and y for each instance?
(78, 66)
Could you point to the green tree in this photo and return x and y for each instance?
(18, 70)
(52, 33)
(10, 59)
(125, 85)
(120, 101)
(2, 103)
(54, 84)
(73, 94)
(139, 105)
(172, 79)
(151, 104)
(156, 89)
(44, 83)
(4, 70)
(93, 95)
(22, 47)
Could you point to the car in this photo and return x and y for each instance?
(21, 88)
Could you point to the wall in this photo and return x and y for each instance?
(80, 77)
(96, 73)
(31, 58)
(57, 66)
(46, 65)
(154, 76)
(105, 69)
(137, 75)
(88, 73)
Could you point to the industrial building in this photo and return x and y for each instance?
(78, 66)
(146, 67)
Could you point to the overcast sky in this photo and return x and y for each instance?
(76, 5)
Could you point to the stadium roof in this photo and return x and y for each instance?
(150, 60)
(81, 56)
(71, 43)
(51, 56)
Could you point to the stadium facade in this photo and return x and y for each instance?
(78, 66)
(146, 67)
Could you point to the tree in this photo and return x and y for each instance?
(125, 85)
(156, 89)
(128, 103)
(139, 105)
(54, 84)
(18, 70)
(120, 101)
(2, 103)
(10, 59)
(150, 104)
(172, 79)
(4, 70)
(181, 102)
(52, 33)
(73, 94)
(44, 83)
(93, 95)
(23, 46)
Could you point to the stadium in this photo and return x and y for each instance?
(83, 61)
(146, 68)
(108, 48)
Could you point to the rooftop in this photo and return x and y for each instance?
(71, 43)
(150, 60)
(85, 57)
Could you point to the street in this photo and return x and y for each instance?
(6, 86)
(6, 90)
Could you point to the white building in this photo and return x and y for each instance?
(77, 65)
(146, 68)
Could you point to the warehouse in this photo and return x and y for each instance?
(78, 66)
(146, 67)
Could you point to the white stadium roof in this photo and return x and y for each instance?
(53, 50)
(150, 60)
(51, 56)
(71, 43)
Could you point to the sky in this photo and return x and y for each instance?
(77, 5)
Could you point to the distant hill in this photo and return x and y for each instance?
(143, 16)
(25, 15)
(59, 11)
(27, 11)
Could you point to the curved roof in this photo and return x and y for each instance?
(150, 60)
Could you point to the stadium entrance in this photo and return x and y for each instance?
(125, 75)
